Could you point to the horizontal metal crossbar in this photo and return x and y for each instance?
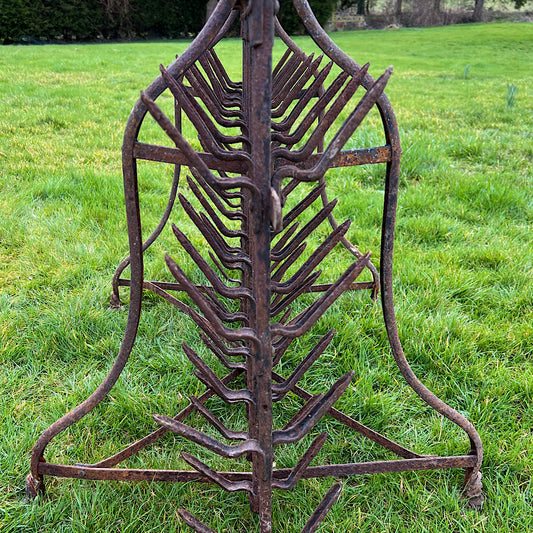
(346, 158)
(340, 470)
(169, 286)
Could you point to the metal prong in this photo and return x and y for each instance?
(323, 508)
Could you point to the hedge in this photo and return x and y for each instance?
(67, 20)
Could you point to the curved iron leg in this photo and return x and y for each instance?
(351, 247)
(472, 482)
(473, 476)
(223, 15)
(115, 295)
(34, 481)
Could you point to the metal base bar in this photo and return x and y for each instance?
(185, 476)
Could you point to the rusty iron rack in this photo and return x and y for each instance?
(261, 139)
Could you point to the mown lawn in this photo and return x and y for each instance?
(463, 282)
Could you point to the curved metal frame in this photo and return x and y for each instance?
(133, 215)
(257, 444)
(473, 477)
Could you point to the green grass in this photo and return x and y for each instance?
(463, 282)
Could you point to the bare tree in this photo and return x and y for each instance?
(425, 12)
(118, 12)
(478, 11)
(398, 9)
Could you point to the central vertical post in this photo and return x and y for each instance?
(258, 39)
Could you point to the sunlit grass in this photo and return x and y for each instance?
(463, 282)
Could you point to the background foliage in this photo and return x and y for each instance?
(33, 21)
(97, 19)
(37, 20)
(290, 21)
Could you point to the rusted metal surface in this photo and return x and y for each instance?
(338, 470)
(262, 138)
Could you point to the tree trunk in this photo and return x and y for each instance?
(436, 6)
(398, 11)
(398, 8)
(361, 7)
(478, 11)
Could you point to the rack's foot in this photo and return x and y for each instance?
(473, 492)
(115, 302)
(34, 487)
